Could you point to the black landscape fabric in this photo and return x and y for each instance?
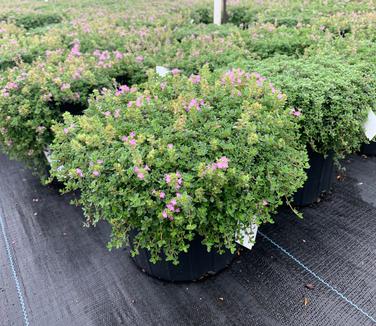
(67, 276)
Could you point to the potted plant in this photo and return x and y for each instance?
(368, 149)
(331, 100)
(34, 95)
(182, 167)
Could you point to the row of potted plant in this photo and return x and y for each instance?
(190, 161)
(334, 100)
(180, 163)
(35, 95)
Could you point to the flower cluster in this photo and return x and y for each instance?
(174, 180)
(141, 171)
(221, 164)
(130, 139)
(195, 104)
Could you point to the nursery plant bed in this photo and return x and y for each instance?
(320, 178)
(68, 277)
(194, 265)
(368, 149)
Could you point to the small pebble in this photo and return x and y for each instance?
(310, 286)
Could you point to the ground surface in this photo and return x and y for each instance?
(67, 277)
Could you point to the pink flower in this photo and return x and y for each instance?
(132, 134)
(175, 71)
(163, 85)
(167, 178)
(77, 74)
(79, 172)
(140, 175)
(11, 85)
(195, 103)
(162, 195)
(76, 48)
(178, 194)
(107, 113)
(136, 169)
(124, 138)
(96, 173)
(122, 89)
(139, 101)
(170, 146)
(140, 58)
(66, 130)
(296, 112)
(118, 55)
(164, 214)
(65, 86)
(132, 142)
(265, 202)
(223, 163)
(117, 113)
(173, 202)
(100, 161)
(195, 79)
(280, 96)
(170, 207)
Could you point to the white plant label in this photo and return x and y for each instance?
(370, 125)
(162, 71)
(47, 154)
(248, 236)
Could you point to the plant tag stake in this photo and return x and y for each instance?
(47, 154)
(162, 71)
(248, 236)
(370, 125)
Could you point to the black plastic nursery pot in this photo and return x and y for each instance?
(368, 149)
(194, 265)
(320, 177)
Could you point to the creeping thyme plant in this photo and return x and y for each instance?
(207, 154)
(333, 96)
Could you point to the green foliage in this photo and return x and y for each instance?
(32, 20)
(33, 96)
(197, 49)
(266, 40)
(206, 155)
(333, 96)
